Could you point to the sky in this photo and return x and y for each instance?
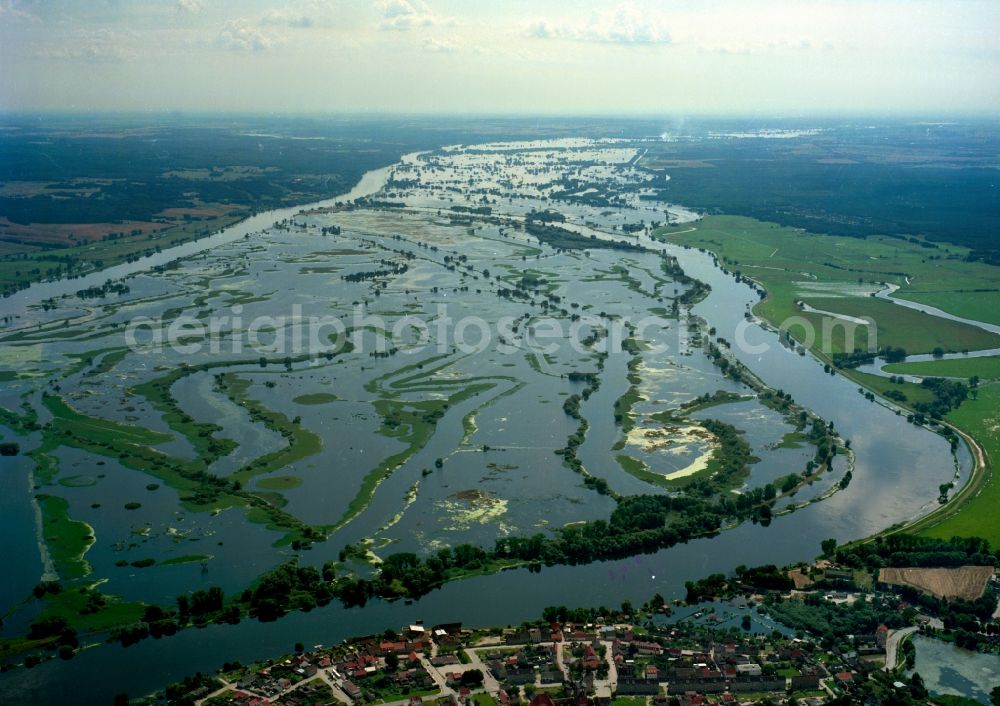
(649, 57)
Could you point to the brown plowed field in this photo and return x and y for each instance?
(966, 582)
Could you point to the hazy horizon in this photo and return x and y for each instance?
(558, 58)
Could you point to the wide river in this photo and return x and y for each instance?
(896, 477)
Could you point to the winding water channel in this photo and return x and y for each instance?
(897, 472)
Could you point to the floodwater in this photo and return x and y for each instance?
(947, 669)
(488, 466)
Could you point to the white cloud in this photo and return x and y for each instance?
(403, 15)
(9, 11)
(240, 35)
(625, 23)
(441, 46)
(191, 7)
(541, 29)
(288, 18)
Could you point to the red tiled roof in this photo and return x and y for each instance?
(541, 699)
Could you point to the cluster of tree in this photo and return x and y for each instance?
(853, 359)
(104, 290)
(832, 621)
(562, 614)
(948, 395)
(287, 587)
(823, 438)
(564, 239)
(696, 289)
(909, 550)
(955, 613)
(480, 210)
(758, 579)
(368, 202)
(571, 406)
(392, 268)
(546, 216)
(179, 693)
(516, 293)
(640, 524)
(733, 456)
(53, 626)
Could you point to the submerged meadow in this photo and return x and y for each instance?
(511, 373)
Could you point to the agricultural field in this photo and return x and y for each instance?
(830, 282)
(965, 582)
(977, 515)
(840, 275)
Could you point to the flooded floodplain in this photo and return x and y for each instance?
(453, 357)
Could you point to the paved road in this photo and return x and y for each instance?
(489, 683)
(221, 690)
(606, 687)
(436, 675)
(892, 646)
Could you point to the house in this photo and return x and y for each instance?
(723, 651)
(447, 628)
(497, 669)
(647, 648)
(551, 674)
(634, 686)
(444, 660)
(386, 647)
(844, 678)
(705, 685)
(519, 675)
(541, 699)
(351, 689)
(691, 698)
(757, 684)
(749, 670)
(881, 635)
(805, 682)
(415, 630)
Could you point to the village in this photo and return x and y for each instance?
(599, 663)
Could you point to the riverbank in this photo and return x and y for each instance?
(748, 247)
(511, 595)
